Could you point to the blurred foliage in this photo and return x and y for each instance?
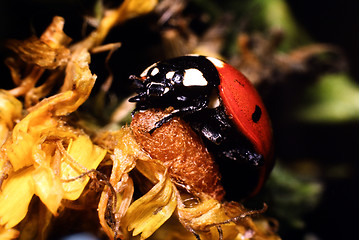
(334, 98)
(293, 196)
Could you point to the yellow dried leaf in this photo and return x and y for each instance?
(86, 155)
(15, 197)
(149, 212)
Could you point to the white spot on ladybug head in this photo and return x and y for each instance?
(194, 77)
(216, 62)
(145, 72)
(154, 71)
(170, 74)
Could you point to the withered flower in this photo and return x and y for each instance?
(43, 151)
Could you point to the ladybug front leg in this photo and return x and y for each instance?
(196, 106)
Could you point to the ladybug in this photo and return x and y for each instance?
(223, 107)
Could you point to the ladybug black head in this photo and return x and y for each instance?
(177, 82)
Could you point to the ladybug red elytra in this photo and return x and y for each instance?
(223, 107)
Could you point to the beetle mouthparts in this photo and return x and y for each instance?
(137, 98)
(134, 77)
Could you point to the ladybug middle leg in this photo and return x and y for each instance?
(235, 155)
(223, 138)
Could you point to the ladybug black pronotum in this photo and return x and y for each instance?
(222, 106)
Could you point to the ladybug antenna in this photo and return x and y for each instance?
(196, 235)
(251, 213)
(137, 82)
(238, 218)
(247, 214)
(234, 220)
(134, 77)
(219, 229)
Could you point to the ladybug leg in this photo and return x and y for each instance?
(176, 112)
(137, 82)
(194, 233)
(198, 105)
(225, 147)
(220, 232)
(223, 138)
(165, 120)
(243, 154)
(211, 134)
(219, 229)
(215, 126)
(197, 236)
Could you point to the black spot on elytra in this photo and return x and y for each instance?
(257, 114)
(239, 82)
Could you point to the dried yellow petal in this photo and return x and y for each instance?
(125, 151)
(10, 110)
(133, 8)
(48, 187)
(76, 89)
(33, 145)
(48, 51)
(54, 35)
(7, 234)
(28, 134)
(127, 10)
(150, 211)
(41, 121)
(86, 155)
(35, 51)
(15, 197)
